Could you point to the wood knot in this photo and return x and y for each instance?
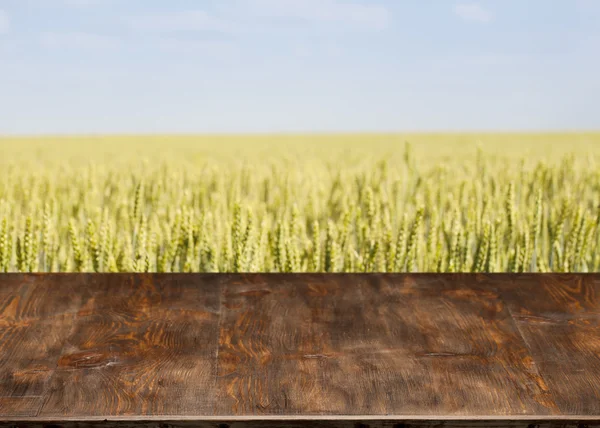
(84, 360)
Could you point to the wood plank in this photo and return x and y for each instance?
(463, 343)
(139, 346)
(303, 350)
(373, 344)
(34, 323)
(275, 344)
(559, 317)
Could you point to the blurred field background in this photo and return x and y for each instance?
(301, 203)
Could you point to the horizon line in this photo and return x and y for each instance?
(301, 133)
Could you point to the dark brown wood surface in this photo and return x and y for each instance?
(358, 350)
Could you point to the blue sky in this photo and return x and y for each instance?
(202, 66)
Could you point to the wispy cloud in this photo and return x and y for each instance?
(216, 49)
(243, 16)
(66, 3)
(77, 40)
(4, 22)
(368, 16)
(192, 20)
(83, 2)
(473, 12)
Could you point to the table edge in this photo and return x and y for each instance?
(167, 418)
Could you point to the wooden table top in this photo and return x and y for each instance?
(313, 349)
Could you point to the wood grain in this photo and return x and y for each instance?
(304, 350)
(277, 344)
(19, 406)
(559, 318)
(139, 347)
(372, 344)
(456, 333)
(34, 324)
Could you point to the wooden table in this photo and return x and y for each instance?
(318, 350)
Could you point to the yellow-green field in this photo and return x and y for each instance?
(351, 203)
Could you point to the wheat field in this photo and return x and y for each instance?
(301, 203)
